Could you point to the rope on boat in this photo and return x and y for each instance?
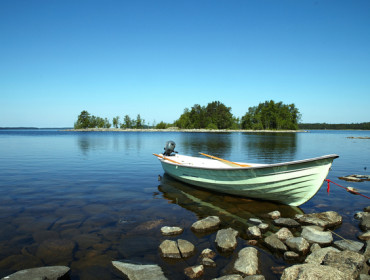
(348, 189)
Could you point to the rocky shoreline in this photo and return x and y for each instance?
(174, 129)
(306, 242)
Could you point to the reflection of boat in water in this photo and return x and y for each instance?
(232, 210)
(292, 183)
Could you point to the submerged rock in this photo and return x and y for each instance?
(39, 273)
(325, 219)
(247, 261)
(286, 222)
(166, 230)
(206, 224)
(351, 245)
(134, 271)
(226, 239)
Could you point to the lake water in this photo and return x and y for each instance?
(83, 199)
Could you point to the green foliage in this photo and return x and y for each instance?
(116, 122)
(85, 120)
(215, 116)
(139, 123)
(271, 115)
(161, 125)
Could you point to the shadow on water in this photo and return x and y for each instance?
(233, 211)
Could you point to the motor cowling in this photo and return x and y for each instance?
(169, 148)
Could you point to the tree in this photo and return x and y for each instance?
(139, 122)
(127, 122)
(219, 115)
(116, 122)
(161, 125)
(83, 120)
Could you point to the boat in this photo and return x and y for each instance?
(292, 183)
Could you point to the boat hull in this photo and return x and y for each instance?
(292, 183)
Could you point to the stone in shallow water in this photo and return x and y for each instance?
(206, 224)
(226, 239)
(169, 249)
(284, 234)
(286, 222)
(194, 271)
(247, 261)
(254, 232)
(351, 245)
(348, 262)
(298, 244)
(324, 219)
(39, 273)
(56, 250)
(166, 230)
(275, 243)
(274, 215)
(318, 255)
(134, 271)
(208, 253)
(186, 248)
(313, 271)
(314, 235)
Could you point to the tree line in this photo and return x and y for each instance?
(340, 126)
(267, 115)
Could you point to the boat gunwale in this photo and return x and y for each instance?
(296, 162)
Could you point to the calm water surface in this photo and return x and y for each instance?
(84, 199)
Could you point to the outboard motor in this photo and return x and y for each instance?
(169, 148)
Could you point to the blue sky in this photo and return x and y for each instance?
(155, 58)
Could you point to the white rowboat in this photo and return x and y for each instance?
(292, 183)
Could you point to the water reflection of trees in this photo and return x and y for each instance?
(233, 211)
(271, 147)
(217, 144)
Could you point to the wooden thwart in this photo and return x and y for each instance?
(226, 161)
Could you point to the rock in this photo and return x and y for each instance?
(169, 249)
(226, 239)
(317, 256)
(194, 271)
(254, 277)
(208, 262)
(186, 248)
(313, 271)
(313, 235)
(359, 215)
(286, 222)
(290, 255)
(40, 273)
(298, 245)
(254, 232)
(56, 251)
(275, 243)
(315, 247)
(367, 209)
(208, 253)
(229, 277)
(254, 221)
(252, 242)
(365, 222)
(166, 230)
(364, 277)
(325, 219)
(247, 261)
(206, 224)
(284, 233)
(365, 236)
(367, 250)
(350, 178)
(263, 227)
(350, 245)
(347, 262)
(134, 271)
(274, 215)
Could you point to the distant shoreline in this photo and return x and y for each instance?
(176, 130)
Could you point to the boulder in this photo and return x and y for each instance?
(169, 249)
(275, 243)
(274, 215)
(318, 255)
(206, 224)
(365, 222)
(313, 271)
(365, 236)
(315, 247)
(348, 262)
(186, 248)
(40, 273)
(314, 235)
(230, 277)
(166, 230)
(298, 245)
(284, 234)
(254, 232)
(134, 271)
(226, 239)
(324, 219)
(286, 222)
(194, 271)
(350, 245)
(247, 261)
